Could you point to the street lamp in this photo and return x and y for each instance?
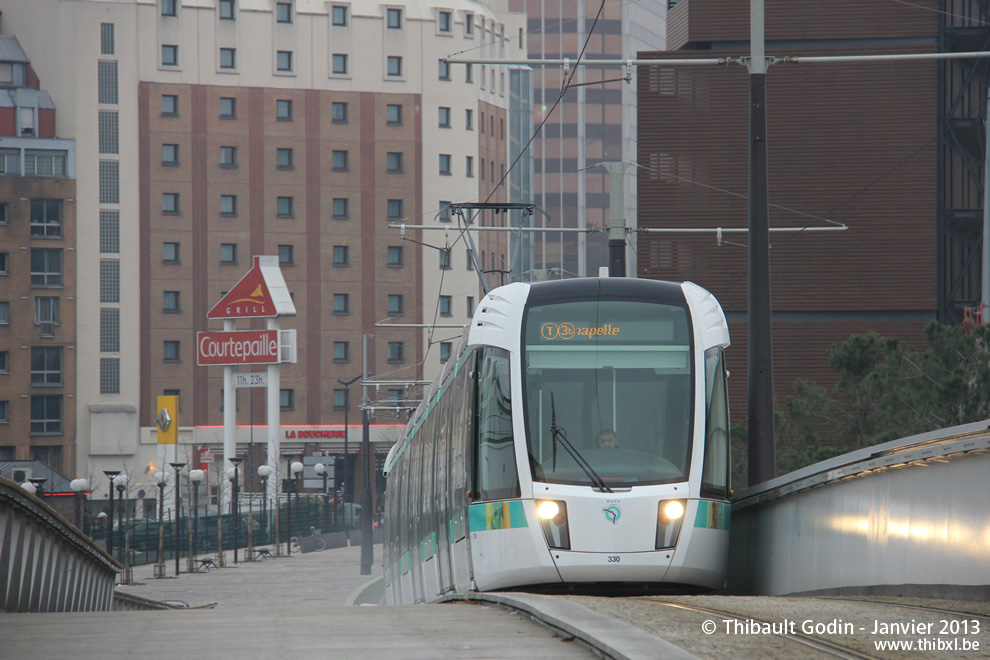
(79, 487)
(295, 467)
(234, 505)
(195, 476)
(265, 471)
(39, 485)
(120, 483)
(111, 475)
(160, 478)
(321, 470)
(178, 515)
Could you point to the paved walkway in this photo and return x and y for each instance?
(287, 607)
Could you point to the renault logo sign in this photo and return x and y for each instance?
(164, 419)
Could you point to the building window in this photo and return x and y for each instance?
(393, 65)
(341, 303)
(283, 158)
(445, 258)
(228, 253)
(228, 107)
(109, 132)
(106, 39)
(444, 117)
(340, 207)
(170, 252)
(393, 161)
(481, 126)
(4, 263)
(394, 209)
(286, 399)
(228, 204)
(46, 267)
(5, 419)
(170, 154)
(340, 255)
(393, 114)
(283, 60)
(469, 73)
(444, 215)
(482, 167)
(170, 104)
(501, 128)
(46, 314)
(443, 70)
(469, 166)
(170, 350)
(284, 207)
(283, 12)
(339, 61)
(168, 7)
(109, 182)
(228, 156)
(395, 255)
(338, 112)
(283, 110)
(393, 18)
(445, 306)
(395, 397)
(4, 362)
(4, 312)
(445, 347)
(470, 303)
(395, 351)
(46, 414)
(109, 281)
(109, 330)
(443, 21)
(228, 58)
(339, 14)
(170, 301)
(170, 203)
(46, 218)
(109, 375)
(341, 351)
(170, 55)
(339, 160)
(445, 164)
(286, 255)
(106, 81)
(394, 304)
(226, 10)
(46, 369)
(339, 399)
(45, 163)
(110, 232)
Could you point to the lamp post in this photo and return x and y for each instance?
(321, 470)
(195, 476)
(111, 475)
(234, 505)
(265, 471)
(79, 487)
(160, 478)
(178, 515)
(295, 467)
(120, 483)
(347, 409)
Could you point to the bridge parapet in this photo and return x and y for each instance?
(46, 564)
(908, 516)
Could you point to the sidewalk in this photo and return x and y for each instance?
(326, 578)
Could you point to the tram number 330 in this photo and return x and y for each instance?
(614, 559)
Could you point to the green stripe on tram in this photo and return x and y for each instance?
(497, 515)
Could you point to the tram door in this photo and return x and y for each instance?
(442, 472)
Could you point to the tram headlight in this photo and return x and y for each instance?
(553, 519)
(670, 515)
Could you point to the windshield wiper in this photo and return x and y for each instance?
(560, 436)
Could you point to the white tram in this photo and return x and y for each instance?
(578, 438)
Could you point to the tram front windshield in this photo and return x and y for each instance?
(608, 392)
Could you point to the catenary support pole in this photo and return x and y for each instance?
(762, 463)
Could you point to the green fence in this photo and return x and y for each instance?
(308, 513)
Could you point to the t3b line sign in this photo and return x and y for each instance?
(239, 347)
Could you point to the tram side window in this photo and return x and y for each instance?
(496, 469)
(715, 473)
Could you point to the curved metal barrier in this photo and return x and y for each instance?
(46, 564)
(907, 517)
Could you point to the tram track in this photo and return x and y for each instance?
(910, 606)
